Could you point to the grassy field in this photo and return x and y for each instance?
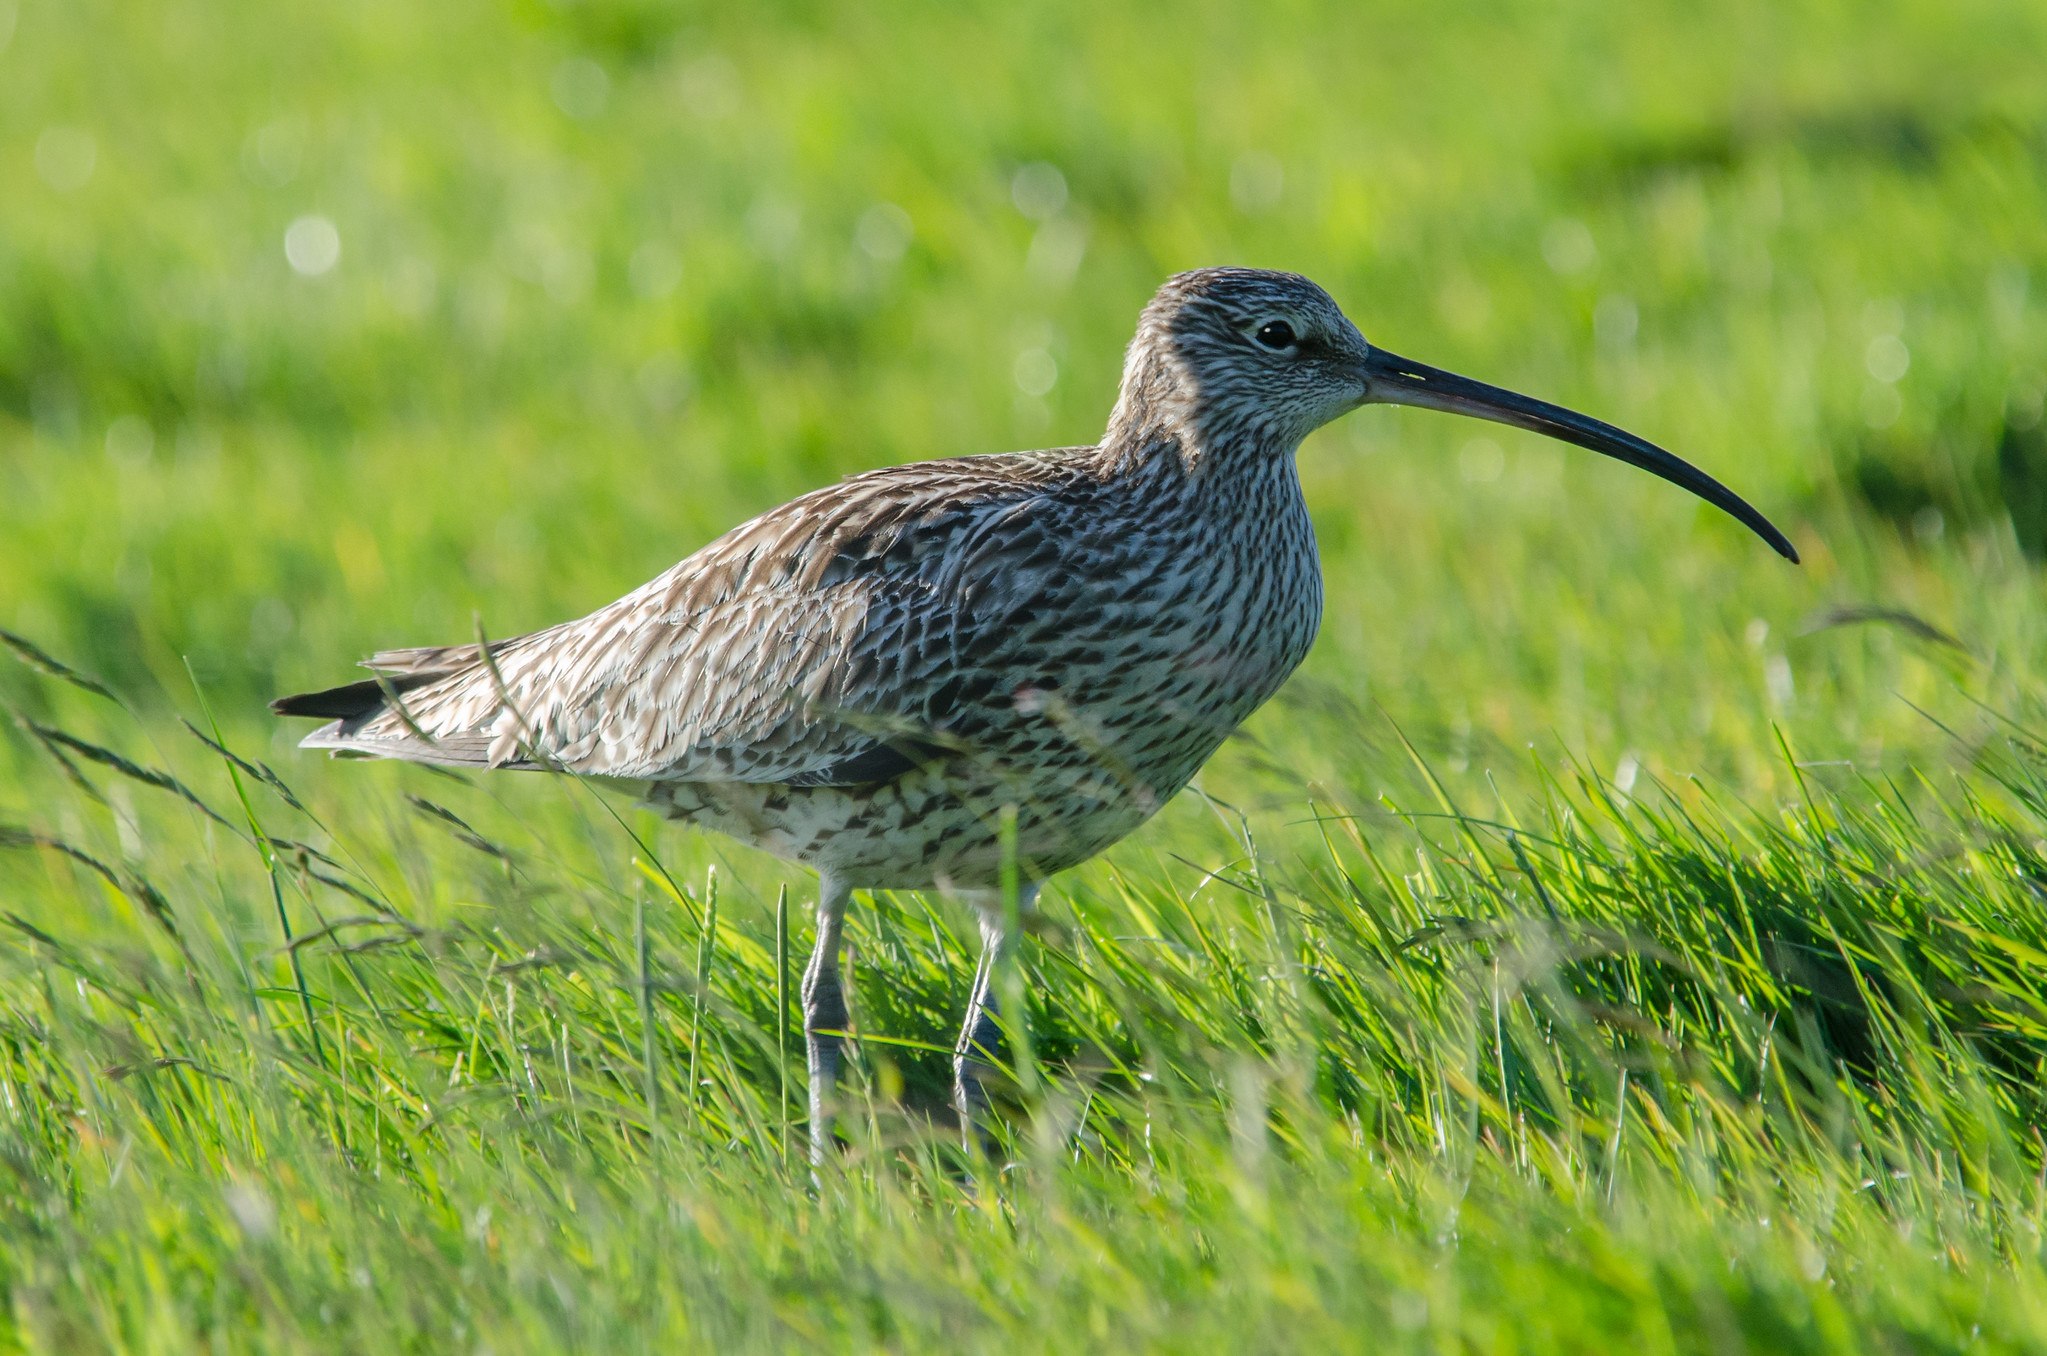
(1614, 938)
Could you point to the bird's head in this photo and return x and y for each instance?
(1244, 357)
(1248, 362)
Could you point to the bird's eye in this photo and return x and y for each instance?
(1277, 335)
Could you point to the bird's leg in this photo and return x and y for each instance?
(980, 1042)
(980, 1048)
(824, 1012)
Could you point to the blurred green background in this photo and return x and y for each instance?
(330, 328)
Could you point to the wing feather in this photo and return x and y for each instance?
(814, 645)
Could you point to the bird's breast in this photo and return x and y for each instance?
(1258, 614)
(1172, 651)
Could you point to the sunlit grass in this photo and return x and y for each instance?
(1643, 1057)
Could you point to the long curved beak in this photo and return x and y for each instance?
(1394, 380)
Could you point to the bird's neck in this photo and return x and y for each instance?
(1183, 454)
(1162, 426)
(1217, 493)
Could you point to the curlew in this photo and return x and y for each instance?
(936, 674)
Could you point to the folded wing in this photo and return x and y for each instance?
(827, 642)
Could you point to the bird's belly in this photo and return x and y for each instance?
(941, 826)
(1075, 766)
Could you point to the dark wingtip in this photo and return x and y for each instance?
(335, 703)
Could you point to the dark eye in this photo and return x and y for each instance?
(1277, 335)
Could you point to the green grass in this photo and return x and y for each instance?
(1605, 943)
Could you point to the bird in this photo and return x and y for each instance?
(973, 673)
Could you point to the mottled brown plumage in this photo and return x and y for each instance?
(868, 678)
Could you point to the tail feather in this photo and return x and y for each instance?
(351, 707)
(397, 671)
(464, 750)
(434, 660)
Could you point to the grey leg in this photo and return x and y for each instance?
(824, 1010)
(980, 1044)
